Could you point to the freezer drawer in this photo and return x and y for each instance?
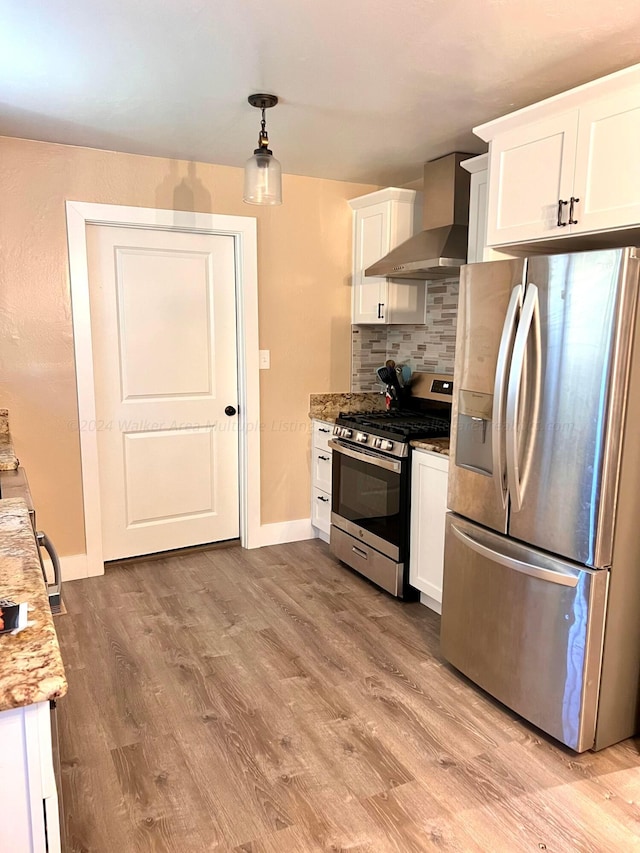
(526, 627)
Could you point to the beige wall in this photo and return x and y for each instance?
(304, 258)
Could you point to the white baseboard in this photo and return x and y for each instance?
(286, 531)
(430, 602)
(320, 534)
(72, 568)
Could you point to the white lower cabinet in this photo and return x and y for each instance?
(321, 513)
(28, 795)
(429, 472)
(321, 475)
(321, 459)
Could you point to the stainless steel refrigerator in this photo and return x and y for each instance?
(541, 597)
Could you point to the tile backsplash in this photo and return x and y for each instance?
(429, 348)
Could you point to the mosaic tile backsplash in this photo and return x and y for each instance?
(429, 348)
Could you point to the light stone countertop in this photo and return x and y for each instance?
(8, 460)
(435, 445)
(31, 667)
(327, 407)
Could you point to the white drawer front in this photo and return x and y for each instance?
(321, 469)
(322, 432)
(320, 510)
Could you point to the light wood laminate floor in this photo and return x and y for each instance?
(271, 701)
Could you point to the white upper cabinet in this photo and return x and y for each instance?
(567, 166)
(531, 170)
(382, 220)
(607, 176)
(372, 240)
(479, 169)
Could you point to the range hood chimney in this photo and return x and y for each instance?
(441, 248)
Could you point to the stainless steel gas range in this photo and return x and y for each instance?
(372, 477)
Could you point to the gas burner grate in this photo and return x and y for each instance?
(398, 424)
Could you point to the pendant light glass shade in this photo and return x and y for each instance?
(262, 172)
(262, 178)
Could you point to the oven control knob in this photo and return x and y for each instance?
(346, 433)
(386, 445)
(361, 437)
(377, 442)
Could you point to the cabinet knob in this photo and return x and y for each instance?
(561, 204)
(574, 201)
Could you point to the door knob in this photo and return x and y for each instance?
(230, 411)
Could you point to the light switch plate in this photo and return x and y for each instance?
(265, 359)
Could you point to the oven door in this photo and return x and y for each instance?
(369, 498)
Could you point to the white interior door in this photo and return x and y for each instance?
(163, 322)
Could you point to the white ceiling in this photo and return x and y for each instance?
(369, 89)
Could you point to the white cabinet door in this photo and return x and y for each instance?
(321, 471)
(321, 510)
(322, 432)
(530, 170)
(607, 174)
(429, 472)
(371, 242)
(382, 220)
(477, 216)
(28, 797)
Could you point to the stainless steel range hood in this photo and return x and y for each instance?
(441, 248)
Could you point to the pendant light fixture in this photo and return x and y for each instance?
(262, 172)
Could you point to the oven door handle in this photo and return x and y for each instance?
(366, 456)
(46, 543)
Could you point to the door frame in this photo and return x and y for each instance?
(243, 229)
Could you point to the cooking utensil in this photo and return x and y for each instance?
(393, 378)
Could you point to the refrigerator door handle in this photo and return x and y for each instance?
(557, 576)
(497, 416)
(529, 318)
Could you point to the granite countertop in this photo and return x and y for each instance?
(31, 667)
(435, 445)
(327, 407)
(8, 460)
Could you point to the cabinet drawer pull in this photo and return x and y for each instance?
(561, 204)
(574, 201)
(324, 458)
(323, 499)
(360, 553)
(323, 429)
